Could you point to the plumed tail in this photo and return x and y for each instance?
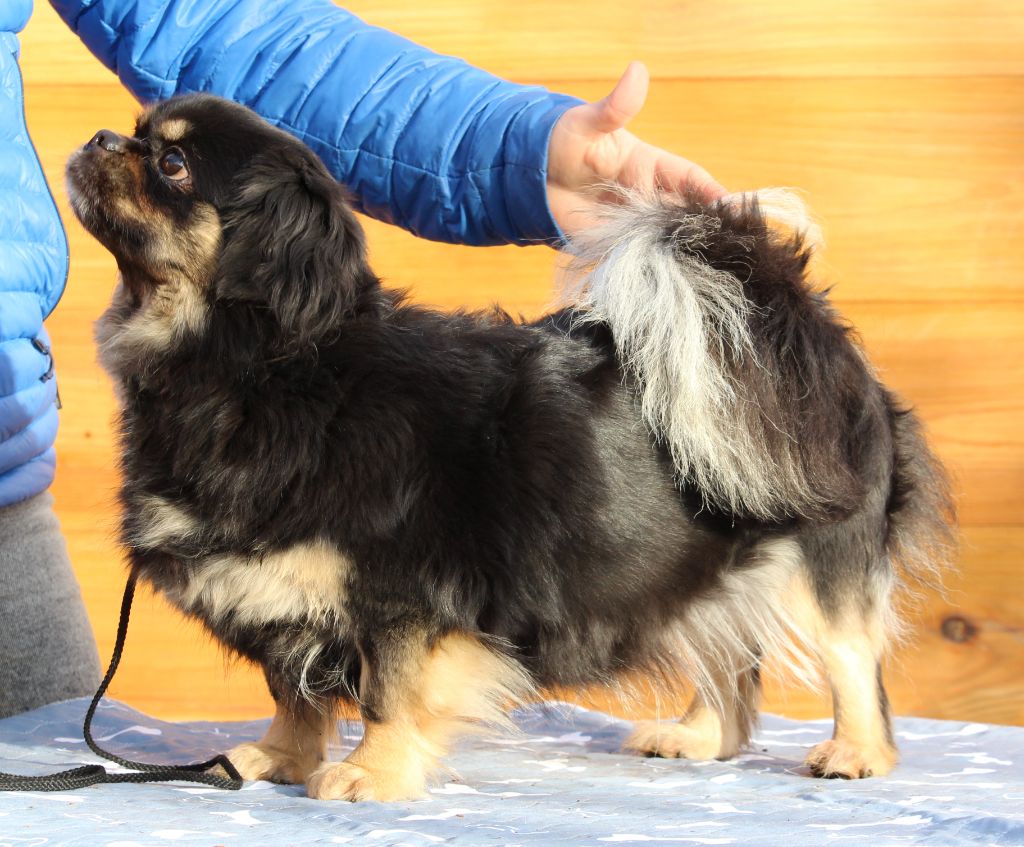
(726, 343)
(922, 537)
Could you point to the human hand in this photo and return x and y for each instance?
(590, 147)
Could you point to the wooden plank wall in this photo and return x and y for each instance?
(902, 122)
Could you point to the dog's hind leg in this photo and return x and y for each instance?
(416, 695)
(721, 643)
(294, 746)
(710, 729)
(848, 619)
(862, 742)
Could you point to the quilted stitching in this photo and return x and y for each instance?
(33, 269)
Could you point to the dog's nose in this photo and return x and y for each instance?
(108, 140)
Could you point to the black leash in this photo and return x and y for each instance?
(92, 774)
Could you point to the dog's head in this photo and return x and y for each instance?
(208, 198)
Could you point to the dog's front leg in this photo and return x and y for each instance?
(416, 694)
(397, 751)
(294, 746)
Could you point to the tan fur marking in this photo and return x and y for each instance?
(847, 759)
(755, 615)
(458, 686)
(769, 612)
(392, 762)
(124, 207)
(294, 746)
(718, 721)
(177, 254)
(850, 649)
(205, 233)
(698, 737)
(859, 746)
(305, 581)
(128, 338)
(174, 130)
(182, 262)
(163, 521)
(705, 731)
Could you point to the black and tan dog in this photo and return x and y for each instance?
(689, 470)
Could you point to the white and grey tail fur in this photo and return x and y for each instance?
(682, 329)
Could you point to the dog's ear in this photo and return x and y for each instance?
(292, 244)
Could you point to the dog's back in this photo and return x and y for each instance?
(774, 420)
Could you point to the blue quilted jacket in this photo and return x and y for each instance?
(33, 267)
(423, 141)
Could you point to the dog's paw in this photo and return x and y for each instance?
(838, 759)
(254, 761)
(673, 741)
(355, 783)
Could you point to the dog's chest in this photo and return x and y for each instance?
(304, 583)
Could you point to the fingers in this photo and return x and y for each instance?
(675, 174)
(671, 173)
(625, 101)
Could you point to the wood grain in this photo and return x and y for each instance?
(902, 123)
(919, 183)
(536, 40)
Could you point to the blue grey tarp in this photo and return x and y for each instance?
(562, 781)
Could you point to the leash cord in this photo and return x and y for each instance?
(92, 774)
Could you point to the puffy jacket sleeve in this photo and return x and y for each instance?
(424, 141)
(28, 414)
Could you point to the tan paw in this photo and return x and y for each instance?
(254, 761)
(673, 741)
(348, 781)
(844, 760)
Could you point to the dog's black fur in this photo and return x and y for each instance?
(475, 474)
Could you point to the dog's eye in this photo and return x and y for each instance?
(172, 165)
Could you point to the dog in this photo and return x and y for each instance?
(686, 471)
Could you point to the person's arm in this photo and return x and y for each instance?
(424, 141)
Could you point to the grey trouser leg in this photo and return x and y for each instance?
(47, 649)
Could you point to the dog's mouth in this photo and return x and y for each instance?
(103, 189)
(80, 177)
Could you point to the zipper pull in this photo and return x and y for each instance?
(46, 377)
